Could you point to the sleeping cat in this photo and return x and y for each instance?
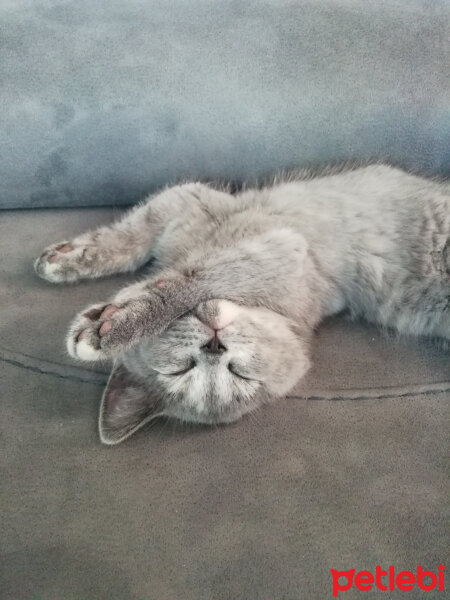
(239, 282)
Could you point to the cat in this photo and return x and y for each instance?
(224, 321)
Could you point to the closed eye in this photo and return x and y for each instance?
(232, 370)
(182, 371)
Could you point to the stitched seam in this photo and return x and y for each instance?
(41, 371)
(410, 392)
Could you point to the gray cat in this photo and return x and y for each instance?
(225, 320)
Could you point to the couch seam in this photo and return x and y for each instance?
(34, 369)
(39, 366)
(410, 392)
(98, 378)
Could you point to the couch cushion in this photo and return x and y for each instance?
(102, 101)
(263, 508)
(350, 359)
(260, 509)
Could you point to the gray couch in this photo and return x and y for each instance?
(102, 101)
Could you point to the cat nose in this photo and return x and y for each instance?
(214, 346)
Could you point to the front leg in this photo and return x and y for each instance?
(119, 248)
(271, 270)
(103, 331)
(128, 243)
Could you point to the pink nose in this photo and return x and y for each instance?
(216, 314)
(214, 322)
(211, 321)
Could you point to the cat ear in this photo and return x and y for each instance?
(126, 406)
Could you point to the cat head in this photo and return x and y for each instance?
(212, 365)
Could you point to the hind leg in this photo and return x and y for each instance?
(424, 311)
(434, 323)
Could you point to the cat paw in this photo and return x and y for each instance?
(64, 262)
(84, 339)
(103, 331)
(106, 330)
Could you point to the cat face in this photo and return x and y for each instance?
(209, 366)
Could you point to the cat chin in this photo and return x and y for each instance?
(205, 418)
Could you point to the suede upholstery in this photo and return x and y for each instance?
(348, 472)
(103, 101)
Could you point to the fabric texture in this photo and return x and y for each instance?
(348, 472)
(103, 101)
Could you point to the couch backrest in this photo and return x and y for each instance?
(102, 101)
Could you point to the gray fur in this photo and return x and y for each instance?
(264, 267)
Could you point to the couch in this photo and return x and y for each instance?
(104, 101)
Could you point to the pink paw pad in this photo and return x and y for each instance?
(106, 326)
(64, 249)
(83, 335)
(107, 313)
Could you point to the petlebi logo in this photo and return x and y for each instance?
(388, 580)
